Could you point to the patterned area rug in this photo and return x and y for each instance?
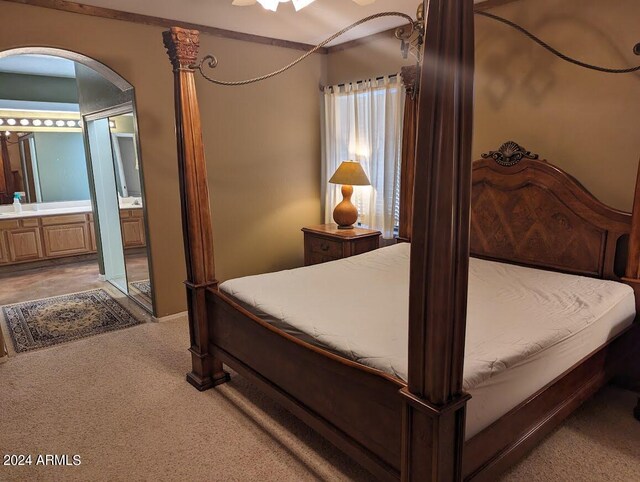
(47, 322)
(143, 287)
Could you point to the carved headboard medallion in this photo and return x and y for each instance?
(509, 154)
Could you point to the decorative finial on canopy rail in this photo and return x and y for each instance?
(411, 36)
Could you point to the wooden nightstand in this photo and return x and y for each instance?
(327, 243)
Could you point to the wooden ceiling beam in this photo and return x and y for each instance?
(112, 14)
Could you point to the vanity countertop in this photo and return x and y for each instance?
(29, 212)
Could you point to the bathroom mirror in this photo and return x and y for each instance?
(49, 166)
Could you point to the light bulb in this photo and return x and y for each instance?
(37, 122)
(270, 4)
(60, 123)
(300, 4)
(1, 121)
(24, 122)
(11, 122)
(71, 123)
(48, 123)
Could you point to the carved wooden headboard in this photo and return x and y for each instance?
(526, 211)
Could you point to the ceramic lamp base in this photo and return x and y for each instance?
(345, 214)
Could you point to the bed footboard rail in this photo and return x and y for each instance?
(357, 408)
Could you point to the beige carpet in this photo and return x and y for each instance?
(120, 401)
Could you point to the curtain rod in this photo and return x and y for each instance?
(391, 76)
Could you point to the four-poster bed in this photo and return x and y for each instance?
(508, 207)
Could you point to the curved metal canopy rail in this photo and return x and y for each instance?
(411, 36)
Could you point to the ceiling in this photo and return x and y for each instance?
(311, 25)
(38, 65)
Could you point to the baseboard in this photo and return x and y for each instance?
(173, 317)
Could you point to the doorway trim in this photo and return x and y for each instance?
(106, 72)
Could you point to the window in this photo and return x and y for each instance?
(363, 122)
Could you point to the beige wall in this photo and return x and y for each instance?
(263, 142)
(585, 122)
(378, 57)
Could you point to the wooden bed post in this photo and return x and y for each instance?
(633, 261)
(632, 273)
(434, 416)
(182, 46)
(409, 77)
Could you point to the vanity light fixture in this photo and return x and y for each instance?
(12, 122)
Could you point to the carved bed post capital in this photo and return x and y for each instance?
(409, 76)
(182, 46)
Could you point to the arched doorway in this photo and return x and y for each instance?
(71, 156)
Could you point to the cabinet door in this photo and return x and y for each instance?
(4, 253)
(133, 232)
(66, 240)
(24, 244)
(92, 235)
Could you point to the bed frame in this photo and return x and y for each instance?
(510, 206)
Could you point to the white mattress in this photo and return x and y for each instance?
(525, 326)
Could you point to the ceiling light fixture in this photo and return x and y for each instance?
(297, 4)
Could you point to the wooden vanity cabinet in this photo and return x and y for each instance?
(132, 224)
(66, 235)
(24, 244)
(4, 254)
(31, 239)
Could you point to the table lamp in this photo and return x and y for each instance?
(349, 174)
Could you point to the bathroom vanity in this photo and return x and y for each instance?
(53, 232)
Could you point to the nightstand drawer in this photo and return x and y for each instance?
(317, 258)
(327, 248)
(326, 242)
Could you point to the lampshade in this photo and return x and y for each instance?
(350, 173)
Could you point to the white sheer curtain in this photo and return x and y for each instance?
(363, 122)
